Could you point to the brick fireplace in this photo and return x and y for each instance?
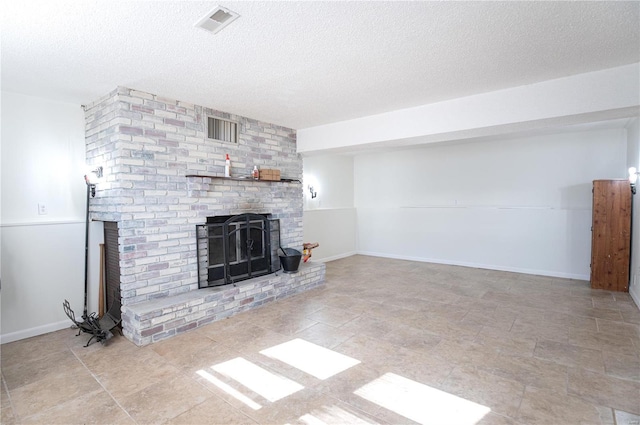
(148, 145)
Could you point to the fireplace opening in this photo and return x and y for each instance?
(236, 248)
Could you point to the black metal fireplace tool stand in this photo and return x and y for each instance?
(99, 328)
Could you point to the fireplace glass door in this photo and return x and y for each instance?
(235, 248)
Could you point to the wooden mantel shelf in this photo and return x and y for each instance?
(244, 179)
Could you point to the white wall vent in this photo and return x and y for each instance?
(217, 19)
(222, 130)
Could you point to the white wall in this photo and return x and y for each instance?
(329, 219)
(633, 160)
(332, 178)
(42, 256)
(521, 205)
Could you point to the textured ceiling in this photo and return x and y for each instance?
(302, 64)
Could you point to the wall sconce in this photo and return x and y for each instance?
(98, 172)
(633, 178)
(91, 187)
(313, 193)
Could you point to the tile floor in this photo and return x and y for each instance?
(386, 341)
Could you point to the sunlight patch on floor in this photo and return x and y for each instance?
(313, 359)
(269, 385)
(333, 415)
(421, 403)
(229, 390)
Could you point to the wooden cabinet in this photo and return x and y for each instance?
(611, 235)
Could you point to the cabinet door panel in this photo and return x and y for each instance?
(611, 235)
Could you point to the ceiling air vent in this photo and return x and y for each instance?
(217, 19)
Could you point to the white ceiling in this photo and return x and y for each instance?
(301, 64)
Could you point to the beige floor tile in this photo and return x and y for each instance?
(631, 316)
(182, 348)
(602, 341)
(367, 325)
(164, 400)
(461, 352)
(6, 410)
(439, 295)
(97, 408)
(239, 328)
(354, 304)
(204, 359)
(622, 366)
(263, 341)
(500, 319)
(369, 350)
(555, 332)
(596, 313)
(22, 373)
(586, 291)
(7, 417)
(412, 338)
(306, 302)
(212, 411)
(508, 298)
(324, 335)
(385, 357)
(374, 309)
(445, 328)
(4, 395)
(245, 336)
(139, 372)
(31, 349)
(610, 302)
(452, 312)
(605, 390)
(410, 303)
(495, 340)
(332, 316)
(529, 371)
(570, 355)
(560, 318)
(53, 390)
(287, 323)
(425, 368)
(547, 407)
(626, 330)
(469, 303)
(502, 396)
(492, 418)
(469, 290)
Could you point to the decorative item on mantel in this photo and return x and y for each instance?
(269, 175)
(227, 166)
(307, 247)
